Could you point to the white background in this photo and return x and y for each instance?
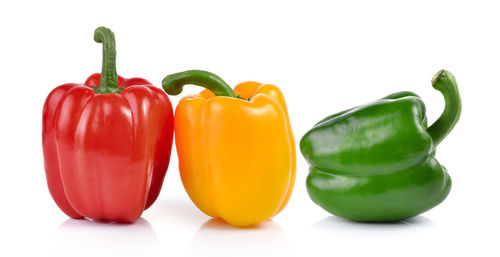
(326, 56)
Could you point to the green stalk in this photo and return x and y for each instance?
(109, 76)
(173, 83)
(445, 83)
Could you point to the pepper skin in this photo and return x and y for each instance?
(236, 149)
(376, 162)
(106, 143)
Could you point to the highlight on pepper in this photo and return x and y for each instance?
(106, 143)
(236, 148)
(376, 162)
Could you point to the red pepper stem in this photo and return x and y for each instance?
(109, 76)
(445, 82)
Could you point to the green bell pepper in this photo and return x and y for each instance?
(376, 162)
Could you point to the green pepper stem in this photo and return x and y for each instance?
(173, 83)
(109, 76)
(445, 83)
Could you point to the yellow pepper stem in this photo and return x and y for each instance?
(173, 83)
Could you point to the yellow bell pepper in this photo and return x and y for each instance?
(236, 148)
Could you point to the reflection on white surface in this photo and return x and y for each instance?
(336, 223)
(334, 228)
(90, 238)
(217, 238)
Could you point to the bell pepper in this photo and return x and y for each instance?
(106, 143)
(236, 148)
(376, 162)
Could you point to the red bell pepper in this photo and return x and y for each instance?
(106, 143)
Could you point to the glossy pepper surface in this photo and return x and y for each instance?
(376, 162)
(236, 148)
(106, 143)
